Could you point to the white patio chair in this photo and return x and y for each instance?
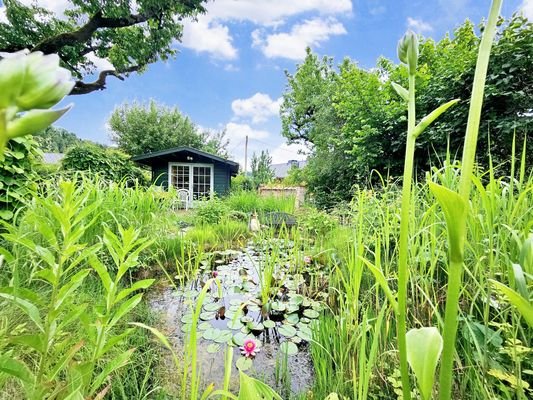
(184, 198)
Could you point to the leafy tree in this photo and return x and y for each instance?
(56, 140)
(129, 34)
(354, 123)
(143, 128)
(261, 168)
(107, 163)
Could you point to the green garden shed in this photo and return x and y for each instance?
(201, 174)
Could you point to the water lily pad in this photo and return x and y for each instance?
(246, 319)
(235, 302)
(278, 306)
(292, 319)
(203, 326)
(305, 333)
(296, 299)
(287, 330)
(213, 348)
(207, 315)
(186, 328)
(211, 333)
(292, 308)
(244, 363)
(305, 320)
(186, 319)
(239, 338)
(269, 324)
(289, 348)
(211, 307)
(310, 313)
(296, 339)
(255, 326)
(224, 336)
(235, 324)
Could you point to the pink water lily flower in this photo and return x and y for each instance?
(249, 348)
(215, 274)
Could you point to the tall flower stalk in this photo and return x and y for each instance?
(408, 54)
(455, 205)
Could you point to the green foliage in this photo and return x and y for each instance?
(139, 128)
(41, 356)
(241, 182)
(250, 201)
(262, 172)
(56, 140)
(210, 211)
(108, 163)
(353, 120)
(128, 34)
(17, 175)
(317, 223)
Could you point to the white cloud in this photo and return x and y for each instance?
(236, 132)
(418, 25)
(292, 45)
(209, 36)
(272, 12)
(260, 107)
(527, 9)
(286, 152)
(58, 7)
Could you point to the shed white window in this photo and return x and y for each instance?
(198, 179)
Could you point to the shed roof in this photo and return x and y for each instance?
(150, 158)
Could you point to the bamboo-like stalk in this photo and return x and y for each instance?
(455, 269)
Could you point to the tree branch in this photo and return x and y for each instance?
(100, 84)
(55, 43)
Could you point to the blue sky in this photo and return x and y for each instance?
(230, 69)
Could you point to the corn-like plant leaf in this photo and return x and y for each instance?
(424, 346)
(382, 281)
(25, 305)
(251, 388)
(455, 211)
(428, 119)
(526, 254)
(34, 341)
(16, 368)
(143, 284)
(67, 290)
(520, 280)
(101, 270)
(116, 363)
(402, 92)
(62, 363)
(523, 305)
(125, 308)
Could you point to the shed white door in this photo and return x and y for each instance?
(198, 179)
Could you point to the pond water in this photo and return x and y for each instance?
(281, 327)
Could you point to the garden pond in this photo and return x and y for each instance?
(271, 292)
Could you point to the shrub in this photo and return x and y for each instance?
(317, 223)
(211, 211)
(108, 163)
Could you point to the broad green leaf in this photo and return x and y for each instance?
(455, 211)
(101, 270)
(16, 368)
(116, 363)
(143, 284)
(125, 308)
(25, 305)
(524, 306)
(428, 119)
(424, 346)
(68, 289)
(34, 341)
(243, 364)
(62, 363)
(251, 388)
(34, 121)
(402, 92)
